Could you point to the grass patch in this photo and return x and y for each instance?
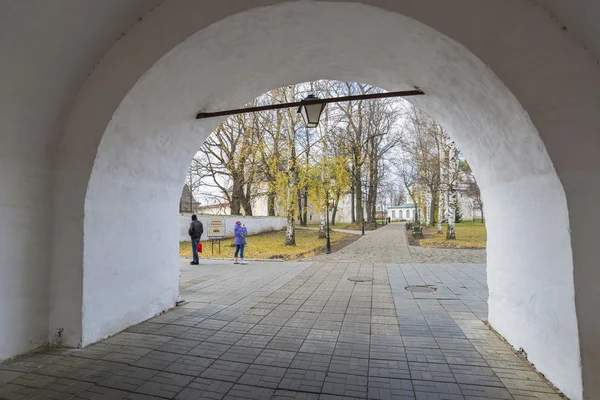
(269, 245)
(469, 235)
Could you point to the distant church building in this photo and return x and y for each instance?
(187, 202)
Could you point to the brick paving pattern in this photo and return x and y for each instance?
(297, 330)
(389, 245)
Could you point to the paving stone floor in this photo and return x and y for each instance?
(297, 330)
(389, 244)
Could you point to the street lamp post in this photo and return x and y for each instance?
(328, 251)
(310, 109)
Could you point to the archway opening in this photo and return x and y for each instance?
(151, 137)
(367, 160)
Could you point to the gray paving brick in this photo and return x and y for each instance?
(190, 365)
(485, 392)
(386, 388)
(285, 343)
(178, 345)
(165, 384)
(102, 393)
(229, 371)
(257, 341)
(157, 360)
(439, 388)
(311, 361)
(249, 392)
(431, 372)
(275, 358)
(291, 395)
(349, 365)
(241, 354)
(318, 347)
(209, 350)
(345, 385)
(202, 388)
(263, 375)
(303, 380)
(297, 331)
(351, 350)
(129, 378)
(7, 376)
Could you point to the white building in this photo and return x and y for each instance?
(401, 212)
(342, 215)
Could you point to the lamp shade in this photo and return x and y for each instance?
(311, 113)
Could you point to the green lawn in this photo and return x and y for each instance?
(270, 246)
(469, 235)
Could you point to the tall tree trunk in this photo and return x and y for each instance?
(334, 210)
(247, 201)
(236, 197)
(452, 199)
(416, 215)
(292, 191)
(247, 206)
(451, 233)
(305, 207)
(299, 200)
(443, 181)
(432, 204)
(360, 216)
(271, 202)
(352, 194)
(323, 223)
(440, 230)
(290, 231)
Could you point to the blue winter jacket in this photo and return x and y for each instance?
(239, 232)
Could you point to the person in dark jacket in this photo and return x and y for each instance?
(196, 230)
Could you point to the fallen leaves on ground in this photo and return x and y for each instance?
(469, 235)
(269, 246)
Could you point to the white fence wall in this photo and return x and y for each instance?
(253, 225)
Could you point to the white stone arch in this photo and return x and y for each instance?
(141, 154)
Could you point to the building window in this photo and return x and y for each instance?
(400, 214)
(407, 214)
(393, 213)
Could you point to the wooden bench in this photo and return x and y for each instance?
(417, 231)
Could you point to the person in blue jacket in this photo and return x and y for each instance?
(240, 233)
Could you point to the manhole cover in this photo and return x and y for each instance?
(360, 279)
(421, 289)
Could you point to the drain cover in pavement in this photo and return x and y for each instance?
(360, 279)
(421, 289)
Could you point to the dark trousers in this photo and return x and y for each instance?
(239, 249)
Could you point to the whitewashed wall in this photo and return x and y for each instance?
(515, 60)
(253, 224)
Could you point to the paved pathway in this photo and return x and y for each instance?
(388, 244)
(297, 330)
(351, 231)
